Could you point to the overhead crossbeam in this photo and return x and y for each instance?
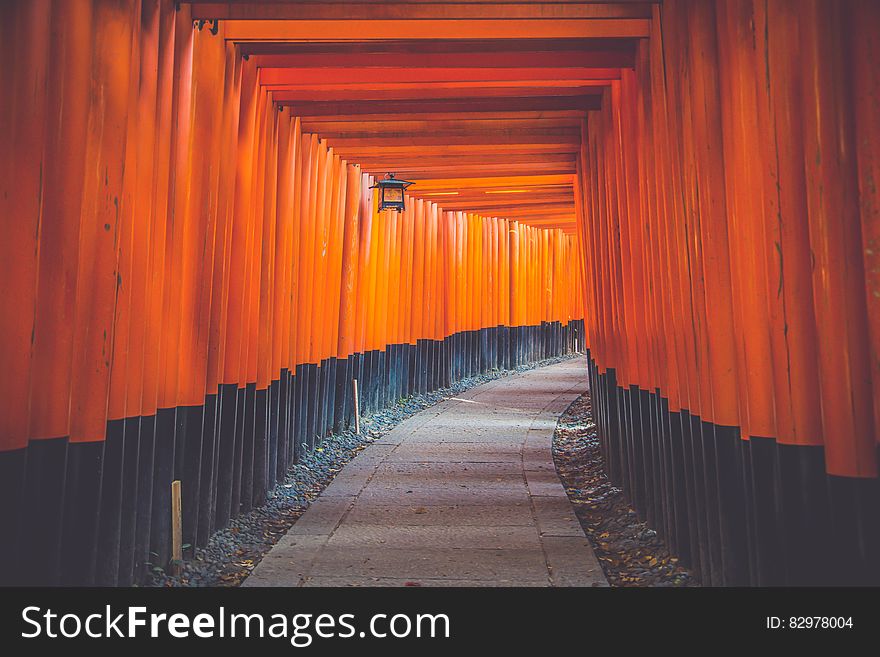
(295, 77)
(459, 106)
(379, 10)
(322, 30)
(482, 104)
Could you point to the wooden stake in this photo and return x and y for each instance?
(176, 528)
(357, 410)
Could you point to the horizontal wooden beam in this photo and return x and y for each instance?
(508, 213)
(585, 57)
(513, 191)
(371, 120)
(499, 134)
(401, 164)
(538, 221)
(549, 210)
(423, 93)
(369, 30)
(410, 170)
(524, 199)
(508, 205)
(548, 223)
(429, 160)
(534, 196)
(402, 73)
(416, 11)
(494, 169)
(404, 47)
(496, 182)
(565, 213)
(448, 126)
(510, 194)
(427, 88)
(589, 101)
(357, 153)
(473, 141)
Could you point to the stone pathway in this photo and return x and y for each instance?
(464, 493)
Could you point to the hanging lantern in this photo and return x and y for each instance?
(391, 192)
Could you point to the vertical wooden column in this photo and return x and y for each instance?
(838, 280)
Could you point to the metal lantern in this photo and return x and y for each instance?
(391, 192)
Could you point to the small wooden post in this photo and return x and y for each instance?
(357, 410)
(176, 528)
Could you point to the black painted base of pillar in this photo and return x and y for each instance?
(737, 512)
(99, 513)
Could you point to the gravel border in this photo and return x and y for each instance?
(631, 552)
(232, 553)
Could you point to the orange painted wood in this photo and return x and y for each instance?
(417, 10)
(711, 203)
(22, 126)
(239, 236)
(798, 405)
(346, 344)
(473, 106)
(284, 206)
(862, 16)
(143, 210)
(356, 76)
(99, 229)
(161, 191)
(835, 239)
(745, 220)
(464, 57)
(331, 30)
(63, 176)
(499, 96)
(295, 263)
(191, 235)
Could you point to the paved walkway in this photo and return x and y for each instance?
(464, 493)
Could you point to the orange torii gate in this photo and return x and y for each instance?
(192, 280)
(194, 268)
(726, 213)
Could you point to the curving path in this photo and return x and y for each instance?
(464, 493)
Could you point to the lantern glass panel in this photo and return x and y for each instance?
(393, 194)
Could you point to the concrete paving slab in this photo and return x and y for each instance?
(453, 453)
(422, 581)
(432, 562)
(555, 517)
(322, 517)
(568, 567)
(455, 494)
(443, 471)
(454, 515)
(507, 482)
(416, 536)
(464, 493)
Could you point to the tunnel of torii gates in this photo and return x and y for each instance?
(194, 267)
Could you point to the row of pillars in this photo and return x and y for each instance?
(729, 217)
